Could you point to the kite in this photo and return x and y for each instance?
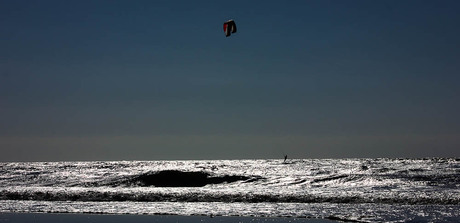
(229, 27)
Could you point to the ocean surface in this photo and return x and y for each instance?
(362, 190)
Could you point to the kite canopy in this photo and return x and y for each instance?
(229, 27)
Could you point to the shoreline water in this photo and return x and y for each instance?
(14, 217)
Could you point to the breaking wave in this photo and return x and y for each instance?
(176, 178)
(95, 195)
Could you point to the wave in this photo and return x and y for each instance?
(176, 178)
(93, 195)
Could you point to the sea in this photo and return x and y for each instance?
(358, 190)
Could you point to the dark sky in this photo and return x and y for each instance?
(147, 80)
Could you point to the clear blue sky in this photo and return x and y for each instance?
(147, 80)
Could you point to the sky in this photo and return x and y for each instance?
(154, 80)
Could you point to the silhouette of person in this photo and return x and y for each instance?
(285, 158)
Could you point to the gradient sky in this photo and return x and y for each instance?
(149, 80)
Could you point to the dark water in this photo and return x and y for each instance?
(367, 190)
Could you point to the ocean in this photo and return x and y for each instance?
(361, 190)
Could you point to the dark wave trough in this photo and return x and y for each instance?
(176, 178)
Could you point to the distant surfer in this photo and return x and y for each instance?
(285, 158)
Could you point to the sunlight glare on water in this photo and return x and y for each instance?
(349, 189)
